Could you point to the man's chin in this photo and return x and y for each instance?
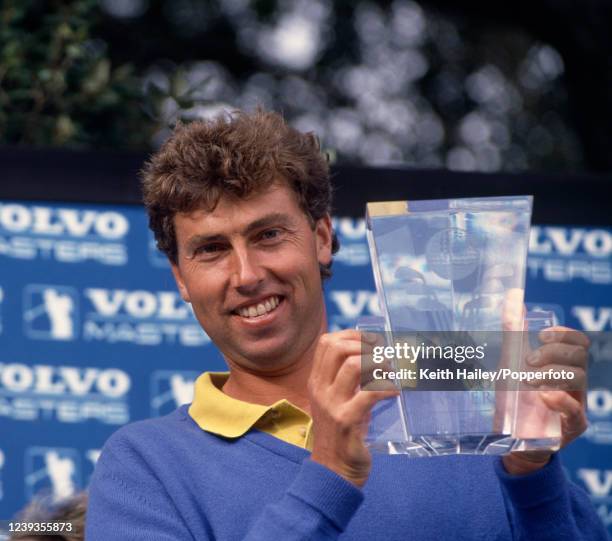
(268, 363)
(265, 360)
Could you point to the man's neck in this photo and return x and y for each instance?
(258, 389)
(290, 384)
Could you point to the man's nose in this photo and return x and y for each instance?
(247, 273)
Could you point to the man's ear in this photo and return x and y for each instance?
(323, 234)
(180, 282)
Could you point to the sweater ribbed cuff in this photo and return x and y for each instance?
(536, 488)
(324, 490)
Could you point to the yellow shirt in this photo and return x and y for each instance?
(220, 414)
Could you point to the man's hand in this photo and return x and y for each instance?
(565, 349)
(340, 410)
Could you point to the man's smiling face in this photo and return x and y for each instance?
(250, 269)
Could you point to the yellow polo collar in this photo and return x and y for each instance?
(220, 414)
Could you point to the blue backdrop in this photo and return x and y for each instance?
(93, 334)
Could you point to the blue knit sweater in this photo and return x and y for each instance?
(166, 479)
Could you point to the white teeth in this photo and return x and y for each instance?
(260, 309)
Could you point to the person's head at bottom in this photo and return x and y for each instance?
(66, 519)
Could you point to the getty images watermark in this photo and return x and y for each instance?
(459, 360)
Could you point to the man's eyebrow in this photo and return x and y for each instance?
(274, 218)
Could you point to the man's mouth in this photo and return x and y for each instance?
(260, 308)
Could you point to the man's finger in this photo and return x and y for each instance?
(573, 414)
(353, 374)
(563, 403)
(559, 353)
(372, 374)
(340, 345)
(334, 351)
(364, 401)
(565, 335)
(348, 378)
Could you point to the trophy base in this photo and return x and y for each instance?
(464, 444)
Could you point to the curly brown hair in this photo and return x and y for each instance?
(234, 154)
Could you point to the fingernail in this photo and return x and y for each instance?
(534, 357)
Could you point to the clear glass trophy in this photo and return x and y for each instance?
(450, 273)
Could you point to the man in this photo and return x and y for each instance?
(275, 450)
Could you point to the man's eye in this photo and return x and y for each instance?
(270, 234)
(207, 249)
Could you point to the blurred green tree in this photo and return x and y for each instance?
(58, 84)
(469, 86)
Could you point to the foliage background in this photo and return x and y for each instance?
(421, 84)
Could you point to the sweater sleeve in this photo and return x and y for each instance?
(127, 501)
(318, 505)
(545, 505)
